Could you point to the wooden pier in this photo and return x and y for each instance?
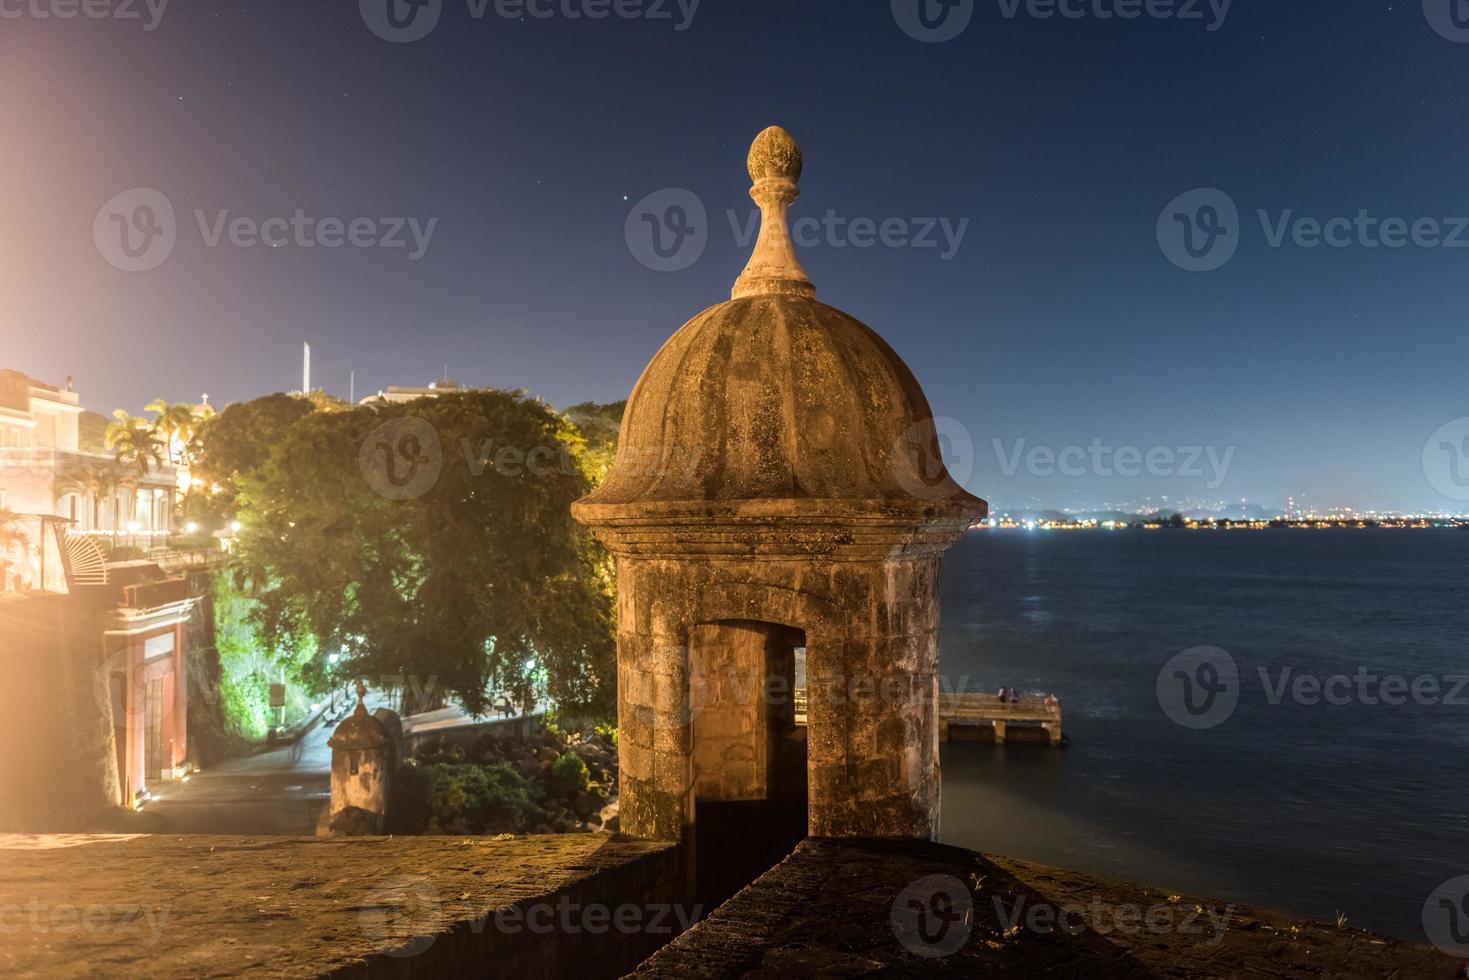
(966, 717)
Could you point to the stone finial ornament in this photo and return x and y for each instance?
(775, 154)
(775, 165)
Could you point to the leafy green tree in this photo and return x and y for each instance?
(478, 578)
(234, 443)
(599, 426)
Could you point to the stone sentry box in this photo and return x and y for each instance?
(778, 485)
(365, 756)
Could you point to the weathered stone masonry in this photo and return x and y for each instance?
(778, 485)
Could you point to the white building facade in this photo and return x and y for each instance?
(46, 477)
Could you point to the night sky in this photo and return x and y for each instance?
(1059, 320)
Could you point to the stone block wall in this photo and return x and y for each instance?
(870, 631)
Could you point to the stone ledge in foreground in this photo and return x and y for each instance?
(169, 906)
(828, 911)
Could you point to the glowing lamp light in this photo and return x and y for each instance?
(235, 526)
(191, 527)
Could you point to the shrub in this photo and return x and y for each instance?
(439, 750)
(569, 775)
(492, 799)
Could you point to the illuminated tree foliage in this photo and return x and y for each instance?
(468, 572)
(234, 443)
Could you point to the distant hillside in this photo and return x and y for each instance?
(92, 432)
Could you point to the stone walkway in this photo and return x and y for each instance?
(281, 791)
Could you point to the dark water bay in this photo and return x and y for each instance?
(1360, 808)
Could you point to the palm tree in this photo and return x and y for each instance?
(98, 482)
(136, 449)
(134, 442)
(174, 424)
(12, 538)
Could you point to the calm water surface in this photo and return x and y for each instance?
(1362, 809)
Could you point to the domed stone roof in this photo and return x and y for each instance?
(776, 405)
(359, 730)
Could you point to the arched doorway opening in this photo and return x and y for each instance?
(749, 754)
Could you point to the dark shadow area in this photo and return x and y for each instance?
(750, 808)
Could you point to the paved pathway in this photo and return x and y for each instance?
(282, 791)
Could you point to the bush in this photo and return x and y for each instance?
(439, 750)
(569, 775)
(607, 730)
(492, 799)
